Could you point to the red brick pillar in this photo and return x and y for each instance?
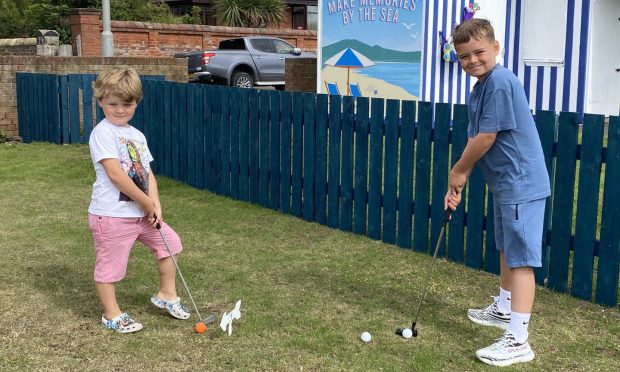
(85, 23)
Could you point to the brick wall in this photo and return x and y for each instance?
(172, 69)
(161, 40)
(300, 74)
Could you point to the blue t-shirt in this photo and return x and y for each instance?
(514, 167)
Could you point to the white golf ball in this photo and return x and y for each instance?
(407, 333)
(366, 337)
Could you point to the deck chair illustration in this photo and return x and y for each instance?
(355, 90)
(332, 89)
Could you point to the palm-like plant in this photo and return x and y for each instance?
(249, 13)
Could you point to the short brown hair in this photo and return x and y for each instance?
(121, 82)
(476, 28)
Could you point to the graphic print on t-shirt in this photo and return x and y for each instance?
(132, 164)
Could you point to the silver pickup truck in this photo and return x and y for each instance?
(243, 62)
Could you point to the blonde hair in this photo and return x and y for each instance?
(475, 28)
(121, 82)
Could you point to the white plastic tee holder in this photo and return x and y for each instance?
(227, 318)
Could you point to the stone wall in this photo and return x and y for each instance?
(300, 74)
(19, 47)
(172, 69)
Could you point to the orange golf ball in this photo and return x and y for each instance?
(200, 327)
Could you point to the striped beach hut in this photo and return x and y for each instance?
(565, 52)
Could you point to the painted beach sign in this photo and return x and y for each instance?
(371, 48)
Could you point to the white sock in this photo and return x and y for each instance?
(504, 301)
(518, 326)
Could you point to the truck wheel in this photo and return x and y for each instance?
(242, 80)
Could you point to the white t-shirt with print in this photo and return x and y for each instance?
(128, 145)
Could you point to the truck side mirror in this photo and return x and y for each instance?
(296, 51)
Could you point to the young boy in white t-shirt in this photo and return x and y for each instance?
(125, 205)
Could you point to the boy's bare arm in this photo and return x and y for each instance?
(154, 195)
(127, 186)
(476, 147)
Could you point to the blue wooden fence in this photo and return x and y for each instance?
(371, 166)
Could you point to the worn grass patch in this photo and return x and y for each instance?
(308, 291)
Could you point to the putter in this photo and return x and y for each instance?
(414, 331)
(211, 317)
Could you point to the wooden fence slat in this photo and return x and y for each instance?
(40, 115)
(546, 124)
(183, 125)
(254, 158)
(244, 145)
(235, 111)
(375, 173)
(191, 135)
(609, 251)
(422, 177)
(346, 164)
(167, 129)
(51, 108)
(390, 171)
(309, 153)
(56, 110)
(441, 155)
(87, 103)
(587, 205)
(207, 120)
(297, 175)
(333, 178)
(74, 108)
(274, 151)
(263, 149)
(216, 144)
(456, 227)
(175, 130)
(405, 180)
(563, 201)
(224, 123)
(475, 209)
(320, 174)
(199, 137)
(361, 166)
(285, 152)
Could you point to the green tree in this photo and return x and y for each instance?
(24, 18)
(249, 13)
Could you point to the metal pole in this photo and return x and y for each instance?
(107, 42)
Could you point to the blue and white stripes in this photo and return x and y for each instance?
(547, 88)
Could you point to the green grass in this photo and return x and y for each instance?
(308, 291)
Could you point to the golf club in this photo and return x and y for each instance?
(209, 319)
(414, 331)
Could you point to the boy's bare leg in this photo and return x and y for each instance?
(167, 279)
(107, 297)
(523, 289)
(504, 273)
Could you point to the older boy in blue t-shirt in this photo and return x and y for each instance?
(503, 140)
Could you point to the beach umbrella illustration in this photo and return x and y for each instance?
(349, 58)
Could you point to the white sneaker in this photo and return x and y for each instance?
(506, 351)
(490, 316)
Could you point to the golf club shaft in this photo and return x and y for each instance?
(430, 266)
(179, 271)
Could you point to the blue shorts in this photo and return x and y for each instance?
(519, 232)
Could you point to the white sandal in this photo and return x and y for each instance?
(121, 324)
(174, 308)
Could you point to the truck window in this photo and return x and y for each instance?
(232, 44)
(283, 47)
(264, 45)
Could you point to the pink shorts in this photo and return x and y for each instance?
(115, 236)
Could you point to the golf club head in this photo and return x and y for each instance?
(209, 319)
(414, 331)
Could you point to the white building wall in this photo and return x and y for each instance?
(547, 88)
